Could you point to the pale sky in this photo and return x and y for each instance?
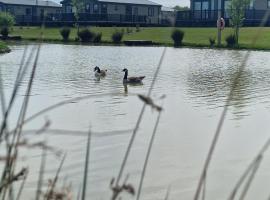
(169, 3)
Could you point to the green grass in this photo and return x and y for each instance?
(3, 48)
(198, 37)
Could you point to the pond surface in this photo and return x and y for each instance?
(195, 82)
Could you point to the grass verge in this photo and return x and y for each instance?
(194, 37)
(4, 48)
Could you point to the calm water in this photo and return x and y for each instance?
(195, 82)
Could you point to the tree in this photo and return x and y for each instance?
(6, 23)
(237, 15)
(78, 6)
(181, 8)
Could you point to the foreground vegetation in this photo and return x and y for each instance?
(194, 37)
(3, 48)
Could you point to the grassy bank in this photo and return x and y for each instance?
(196, 37)
(4, 48)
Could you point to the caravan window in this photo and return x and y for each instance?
(95, 8)
(150, 11)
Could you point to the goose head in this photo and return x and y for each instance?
(124, 70)
(97, 69)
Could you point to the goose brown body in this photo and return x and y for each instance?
(99, 72)
(132, 80)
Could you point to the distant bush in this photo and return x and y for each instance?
(4, 32)
(86, 35)
(65, 32)
(117, 36)
(231, 41)
(212, 41)
(97, 38)
(177, 37)
(6, 23)
(129, 30)
(138, 28)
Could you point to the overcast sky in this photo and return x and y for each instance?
(165, 2)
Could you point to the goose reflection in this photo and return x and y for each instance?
(125, 88)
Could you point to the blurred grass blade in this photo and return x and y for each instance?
(22, 187)
(168, 193)
(251, 166)
(41, 173)
(148, 156)
(2, 95)
(51, 190)
(79, 192)
(85, 175)
(139, 120)
(252, 175)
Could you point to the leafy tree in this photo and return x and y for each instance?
(78, 6)
(237, 15)
(6, 23)
(181, 8)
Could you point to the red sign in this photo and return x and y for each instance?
(221, 23)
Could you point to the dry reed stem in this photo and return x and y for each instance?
(16, 177)
(22, 185)
(10, 164)
(51, 187)
(2, 95)
(139, 120)
(149, 101)
(117, 189)
(148, 155)
(168, 193)
(41, 173)
(19, 78)
(79, 192)
(225, 110)
(251, 167)
(79, 133)
(13, 149)
(252, 175)
(87, 154)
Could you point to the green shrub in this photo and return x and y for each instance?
(177, 37)
(6, 20)
(231, 41)
(212, 41)
(6, 23)
(129, 30)
(117, 36)
(138, 28)
(65, 32)
(86, 35)
(4, 32)
(97, 38)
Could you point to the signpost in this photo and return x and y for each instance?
(220, 26)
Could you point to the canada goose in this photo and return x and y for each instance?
(99, 72)
(132, 80)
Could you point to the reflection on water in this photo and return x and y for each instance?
(196, 83)
(210, 83)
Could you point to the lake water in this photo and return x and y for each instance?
(195, 82)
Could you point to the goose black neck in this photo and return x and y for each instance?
(126, 74)
(98, 69)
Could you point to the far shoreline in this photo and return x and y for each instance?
(6, 49)
(160, 36)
